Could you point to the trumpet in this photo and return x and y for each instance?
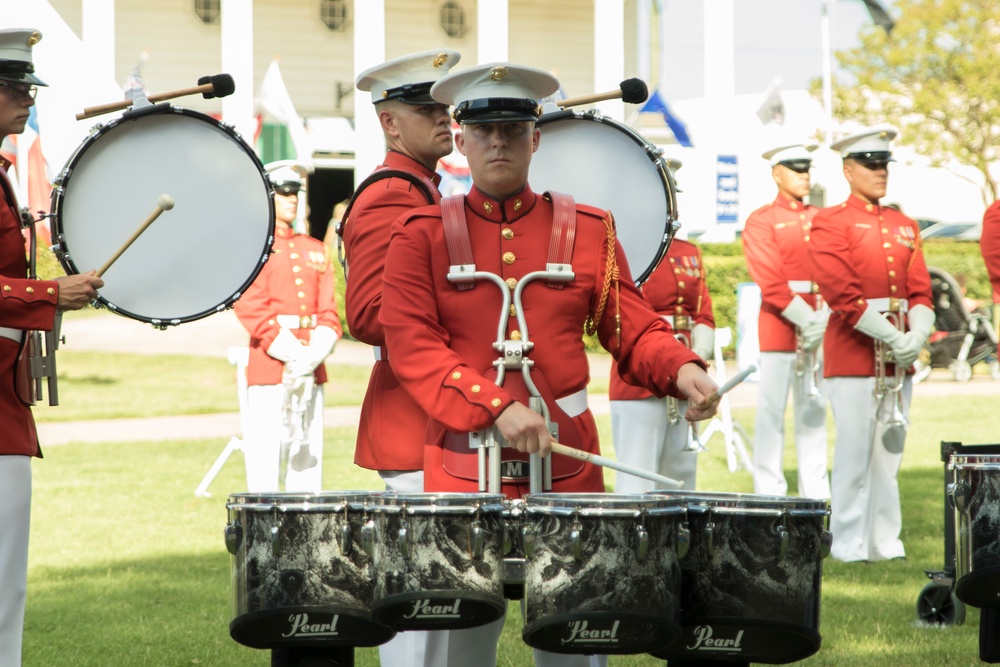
(885, 385)
(807, 362)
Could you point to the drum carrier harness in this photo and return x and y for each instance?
(513, 353)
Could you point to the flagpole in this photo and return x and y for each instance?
(827, 69)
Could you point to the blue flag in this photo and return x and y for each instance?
(657, 103)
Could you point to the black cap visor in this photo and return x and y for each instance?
(411, 93)
(497, 110)
(19, 71)
(872, 159)
(798, 166)
(287, 189)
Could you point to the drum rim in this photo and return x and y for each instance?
(60, 183)
(655, 156)
(748, 501)
(440, 502)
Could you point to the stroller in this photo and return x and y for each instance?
(962, 338)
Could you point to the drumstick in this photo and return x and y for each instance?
(597, 459)
(164, 203)
(632, 91)
(219, 85)
(725, 388)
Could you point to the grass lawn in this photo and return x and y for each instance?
(127, 567)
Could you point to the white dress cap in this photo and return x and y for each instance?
(495, 92)
(789, 152)
(408, 78)
(872, 140)
(285, 172)
(15, 56)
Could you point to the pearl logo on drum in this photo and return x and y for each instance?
(424, 609)
(704, 641)
(580, 632)
(301, 627)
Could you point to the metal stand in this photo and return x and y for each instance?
(238, 357)
(341, 656)
(732, 432)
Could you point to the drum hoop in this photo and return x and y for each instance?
(392, 502)
(973, 461)
(655, 156)
(64, 255)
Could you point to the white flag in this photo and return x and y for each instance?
(773, 108)
(273, 98)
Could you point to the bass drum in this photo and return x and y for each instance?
(195, 259)
(606, 164)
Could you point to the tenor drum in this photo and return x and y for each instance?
(195, 259)
(750, 588)
(606, 164)
(301, 570)
(438, 560)
(602, 572)
(975, 497)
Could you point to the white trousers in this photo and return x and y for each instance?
(777, 375)
(15, 520)
(645, 438)
(866, 518)
(262, 444)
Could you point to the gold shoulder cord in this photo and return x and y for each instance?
(610, 274)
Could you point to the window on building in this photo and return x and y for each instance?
(453, 20)
(207, 10)
(333, 13)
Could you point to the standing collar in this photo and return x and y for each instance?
(511, 209)
(789, 203)
(857, 202)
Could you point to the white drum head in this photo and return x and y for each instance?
(605, 164)
(193, 260)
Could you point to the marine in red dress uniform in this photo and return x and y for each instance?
(290, 311)
(25, 305)
(868, 262)
(775, 240)
(989, 245)
(440, 336)
(650, 432)
(418, 133)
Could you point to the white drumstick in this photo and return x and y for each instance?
(164, 203)
(728, 386)
(597, 459)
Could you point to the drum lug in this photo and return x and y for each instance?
(345, 539)
(476, 540)
(368, 537)
(781, 535)
(710, 539)
(825, 544)
(529, 539)
(576, 538)
(277, 541)
(683, 540)
(234, 538)
(642, 545)
(958, 496)
(406, 540)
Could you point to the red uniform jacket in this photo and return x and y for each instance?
(775, 241)
(676, 288)
(391, 428)
(441, 338)
(297, 279)
(24, 304)
(989, 244)
(862, 251)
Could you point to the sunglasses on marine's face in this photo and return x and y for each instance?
(19, 91)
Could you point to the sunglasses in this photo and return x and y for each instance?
(20, 91)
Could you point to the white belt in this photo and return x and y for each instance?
(12, 334)
(381, 354)
(296, 322)
(801, 286)
(669, 319)
(575, 404)
(882, 304)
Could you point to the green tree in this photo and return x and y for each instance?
(935, 76)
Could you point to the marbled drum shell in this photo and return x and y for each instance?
(440, 530)
(305, 565)
(975, 499)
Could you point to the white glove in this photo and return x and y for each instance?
(874, 324)
(812, 333)
(703, 341)
(302, 365)
(285, 346)
(798, 312)
(321, 344)
(907, 350)
(921, 320)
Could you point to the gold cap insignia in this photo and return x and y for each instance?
(385, 93)
(34, 38)
(499, 73)
(440, 60)
(883, 135)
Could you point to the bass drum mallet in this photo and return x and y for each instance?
(218, 85)
(631, 91)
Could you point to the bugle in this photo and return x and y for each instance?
(807, 362)
(883, 383)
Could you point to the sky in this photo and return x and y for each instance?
(773, 38)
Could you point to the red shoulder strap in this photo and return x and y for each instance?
(456, 234)
(563, 231)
